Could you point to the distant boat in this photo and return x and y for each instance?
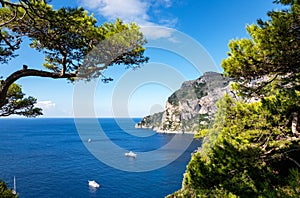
(93, 184)
(89, 140)
(14, 191)
(130, 154)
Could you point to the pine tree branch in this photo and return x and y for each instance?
(25, 73)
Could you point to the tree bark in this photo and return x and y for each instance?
(295, 124)
(24, 73)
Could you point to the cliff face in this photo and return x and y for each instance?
(191, 107)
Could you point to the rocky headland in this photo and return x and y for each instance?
(191, 107)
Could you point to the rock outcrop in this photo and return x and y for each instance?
(190, 108)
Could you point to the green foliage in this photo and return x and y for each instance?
(5, 192)
(250, 151)
(125, 47)
(8, 43)
(69, 37)
(192, 90)
(270, 59)
(75, 47)
(198, 122)
(253, 149)
(7, 51)
(173, 99)
(151, 120)
(189, 91)
(287, 2)
(18, 104)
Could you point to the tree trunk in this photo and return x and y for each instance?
(24, 73)
(295, 123)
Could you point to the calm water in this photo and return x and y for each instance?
(49, 159)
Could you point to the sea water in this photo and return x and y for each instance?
(50, 159)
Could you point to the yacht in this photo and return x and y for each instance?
(130, 154)
(93, 184)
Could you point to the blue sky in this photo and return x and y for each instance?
(210, 25)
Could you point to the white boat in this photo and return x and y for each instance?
(93, 184)
(89, 140)
(130, 154)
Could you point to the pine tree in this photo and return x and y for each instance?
(253, 148)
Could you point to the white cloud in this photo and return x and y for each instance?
(129, 10)
(134, 11)
(156, 32)
(45, 104)
(165, 3)
(168, 22)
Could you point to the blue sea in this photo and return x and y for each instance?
(52, 158)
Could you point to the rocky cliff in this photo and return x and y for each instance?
(190, 108)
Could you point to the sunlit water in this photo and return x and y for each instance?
(49, 159)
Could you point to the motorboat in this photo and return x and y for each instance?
(89, 140)
(93, 184)
(131, 154)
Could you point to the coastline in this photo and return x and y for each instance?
(174, 132)
(164, 131)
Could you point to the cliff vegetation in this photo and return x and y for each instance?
(190, 108)
(253, 147)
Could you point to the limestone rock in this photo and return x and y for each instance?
(190, 108)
